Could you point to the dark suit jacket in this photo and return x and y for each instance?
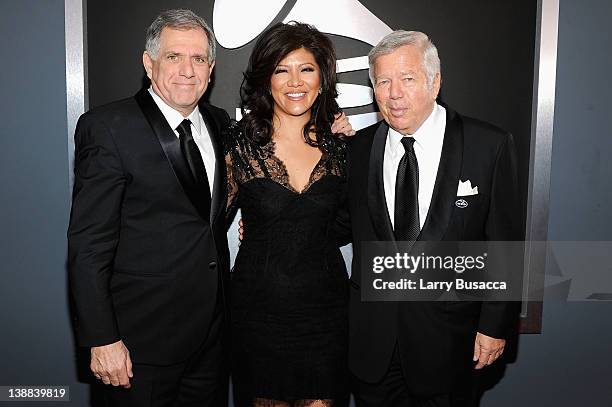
(436, 339)
(145, 262)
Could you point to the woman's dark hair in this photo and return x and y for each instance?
(272, 46)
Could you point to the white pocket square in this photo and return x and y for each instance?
(465, 189)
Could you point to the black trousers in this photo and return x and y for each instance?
(392, 391)
(201, 380)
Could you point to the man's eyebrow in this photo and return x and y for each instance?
(182, 54)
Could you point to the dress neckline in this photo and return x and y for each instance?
(270, 147)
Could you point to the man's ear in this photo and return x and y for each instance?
(147, 62)
(437, 83)
(210, 70)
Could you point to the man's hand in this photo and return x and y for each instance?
(487, 350)
(112, 364)
(342, 125)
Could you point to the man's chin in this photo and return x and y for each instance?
(186, 98)
(400, 127)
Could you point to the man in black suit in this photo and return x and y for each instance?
(148, 251)
(408, 181)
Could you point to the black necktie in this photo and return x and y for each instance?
(194, 161)
(406, 219)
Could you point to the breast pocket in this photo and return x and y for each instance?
(470, 212)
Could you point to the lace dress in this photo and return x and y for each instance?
(289, 284)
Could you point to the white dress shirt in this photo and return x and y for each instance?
(428, 141)
(198, 131)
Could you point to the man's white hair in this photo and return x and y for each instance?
(399, 38)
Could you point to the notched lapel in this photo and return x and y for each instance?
(377, 205)
(445, 187)
(172, 149)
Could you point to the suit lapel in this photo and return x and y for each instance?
(172, 149)
(218, 189)
(377, 204)
(447, 179)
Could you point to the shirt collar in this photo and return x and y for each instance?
(425, 136)
(173, 117)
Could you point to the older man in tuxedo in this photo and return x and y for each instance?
(404, 174)
(148, 251)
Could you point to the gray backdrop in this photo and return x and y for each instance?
(569, 364)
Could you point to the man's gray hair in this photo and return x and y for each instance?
(179, 19)
(399, 38)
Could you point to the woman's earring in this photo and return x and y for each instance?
(320, 90)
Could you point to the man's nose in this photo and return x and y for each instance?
(186, 68)
(395, 90)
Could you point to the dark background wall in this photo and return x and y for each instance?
(486, 48)
(569, 364)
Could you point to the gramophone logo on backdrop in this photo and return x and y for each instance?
(236, 23)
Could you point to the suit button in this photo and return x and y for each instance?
(212, 265)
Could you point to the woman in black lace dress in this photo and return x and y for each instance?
(287, 174)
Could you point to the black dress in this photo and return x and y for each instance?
(289, 288)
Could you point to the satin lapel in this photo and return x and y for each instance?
(447, 179)
(172, 149)
(377, 204)
(220, 184)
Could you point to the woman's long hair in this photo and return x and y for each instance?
(257, 104)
